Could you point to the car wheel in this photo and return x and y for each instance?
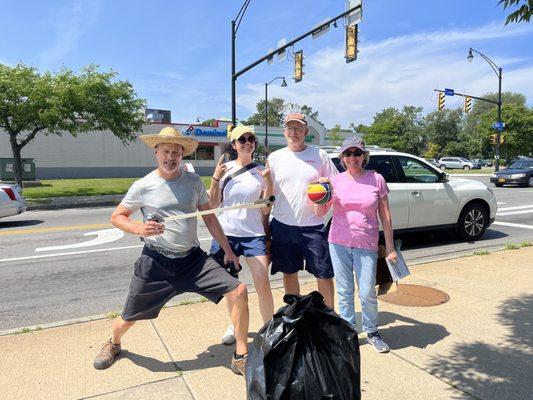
(498, 184)
(442, 167)
(472, 222)
(466, 167)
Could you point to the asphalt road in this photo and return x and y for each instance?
(43, 283)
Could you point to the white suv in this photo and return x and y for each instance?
(455, 162)
(423, 198)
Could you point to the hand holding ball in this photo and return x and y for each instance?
(320, 193)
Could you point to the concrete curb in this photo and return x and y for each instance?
(57, 203)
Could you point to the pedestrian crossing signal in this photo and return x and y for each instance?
(441, 101)
(468, 104)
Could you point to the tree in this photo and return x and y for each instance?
(209, 122)
(432, 151)
(522, 14)
(276, 110)
(477, 140)
(305, 110)
(445, 129)
(31, 103)
(400, 130)
(335, 135)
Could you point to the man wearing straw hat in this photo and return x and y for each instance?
(172, 261)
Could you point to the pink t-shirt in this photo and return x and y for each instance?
(355, 210)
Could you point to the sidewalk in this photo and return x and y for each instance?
(478, 345)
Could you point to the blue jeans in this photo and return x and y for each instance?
(345, 261)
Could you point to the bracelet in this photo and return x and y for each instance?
(218, 180)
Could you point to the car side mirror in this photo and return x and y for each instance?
(444, 177)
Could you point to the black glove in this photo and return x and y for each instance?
(230, 266)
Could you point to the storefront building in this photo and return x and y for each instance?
(100, 154)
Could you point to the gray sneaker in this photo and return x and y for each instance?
(105, 357)
(377, 342)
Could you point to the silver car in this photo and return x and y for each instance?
(11, 200)
(455, 163)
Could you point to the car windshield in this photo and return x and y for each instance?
(522, 165)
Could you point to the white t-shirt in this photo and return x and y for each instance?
(292, 173)
(244, 188)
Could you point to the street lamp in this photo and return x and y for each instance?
(283, 84)
(498, 71)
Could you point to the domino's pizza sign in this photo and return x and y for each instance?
(188, 130)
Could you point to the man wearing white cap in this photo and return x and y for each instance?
(298, 235)
(172, 261)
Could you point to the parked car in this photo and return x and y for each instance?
(518, 173)
(423, 198)
(482, 163)
(456, 163)
(11, 200)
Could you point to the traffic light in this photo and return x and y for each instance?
(350, 53)
(441, 101)
(298, 65)
(468, 104)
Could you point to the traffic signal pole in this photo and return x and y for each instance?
(235, 75)
(499, 104)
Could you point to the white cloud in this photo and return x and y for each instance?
(399, 71)
(69, 25)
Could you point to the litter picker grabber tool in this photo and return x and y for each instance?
(254, 204)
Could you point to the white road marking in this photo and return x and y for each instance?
(102, 237)
(512, 225)
(501, 202)
(514, 208)
(4, 260)
(514, 212)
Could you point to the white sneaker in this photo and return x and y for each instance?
(229, 336)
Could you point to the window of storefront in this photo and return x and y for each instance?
(203, 152)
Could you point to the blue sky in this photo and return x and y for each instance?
(177, 53)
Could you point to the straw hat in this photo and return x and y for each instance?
(171, 135)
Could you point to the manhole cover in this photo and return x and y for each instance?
(415, 296)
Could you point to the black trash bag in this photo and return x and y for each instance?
(305, 352)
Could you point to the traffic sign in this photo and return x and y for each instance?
(449, 92)
(498, 125)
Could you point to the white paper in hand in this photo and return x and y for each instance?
(399, 269)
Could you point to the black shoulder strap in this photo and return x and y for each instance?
(234, 175)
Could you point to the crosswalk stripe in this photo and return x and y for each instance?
(513, 225)
(514, 208)
(499, 214)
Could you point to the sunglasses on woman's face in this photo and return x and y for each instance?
(349, 153)
(243, 140)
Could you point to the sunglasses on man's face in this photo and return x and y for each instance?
(243, 140)
(349, 153)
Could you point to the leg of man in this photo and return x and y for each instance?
(238, 303)
(326, 289)
(291, 283)
(341, 259)
(259, 268)
(119, 328)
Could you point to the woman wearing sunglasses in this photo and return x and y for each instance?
(241, 181)
(359, 196)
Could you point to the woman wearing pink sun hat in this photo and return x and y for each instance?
(359, 196)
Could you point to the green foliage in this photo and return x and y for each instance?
(63, 102)
(397, 129)
(445, 129)
(209, 122)
(522, 14)
(432, 151)
(276, 111)
(335, 135)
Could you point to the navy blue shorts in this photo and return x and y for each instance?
(291, 245)
(244, 246)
